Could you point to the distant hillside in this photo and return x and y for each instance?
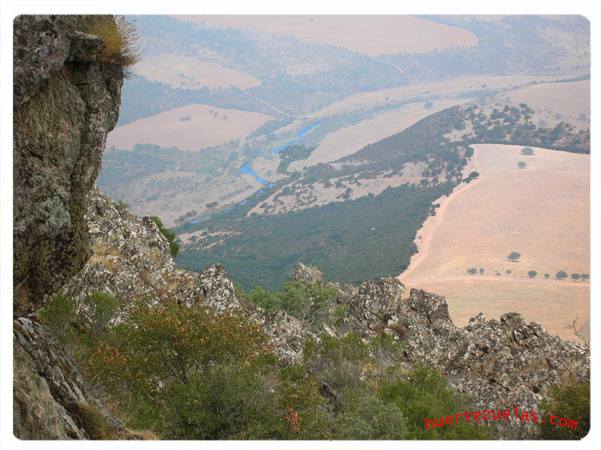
(327, 217)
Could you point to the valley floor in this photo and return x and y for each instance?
(541, 212)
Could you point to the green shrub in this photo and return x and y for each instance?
(571, 401)
(313, 303)
(120, 38)
(424, 393)
(167, 234)
(59, 315)
(339, 362)
(368, 417)
(101, 309)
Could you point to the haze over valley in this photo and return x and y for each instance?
(268, 141)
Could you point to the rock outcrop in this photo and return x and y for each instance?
(131, 260)
(65, 102)
(501, 363)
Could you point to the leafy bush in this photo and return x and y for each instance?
(313, 303)
(167, 234)
(424, 393)
(120, 38)
(571, 401)
(59, 315)
(369, 417)
(101, 308)
(155, 346)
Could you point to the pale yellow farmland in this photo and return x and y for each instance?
(448, 88)
(553, 102)
(541, 212)
(191, 73)
(191, 127)
(372, 35)
(348, 140)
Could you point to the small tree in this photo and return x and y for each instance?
(481, 271)
(528, 151)
(584, 276)
(532, 273)
(561, 275)
(547, 276)
(513, 256)
(472, 271)
(575, 276)
(522, 165)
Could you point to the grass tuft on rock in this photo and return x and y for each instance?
(120, 39)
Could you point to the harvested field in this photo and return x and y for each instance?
(191, 73)
(379, 34)
(191, 127)
(541, 212)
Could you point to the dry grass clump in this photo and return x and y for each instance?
(88, 417)
(120, 39)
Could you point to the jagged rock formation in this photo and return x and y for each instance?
(65, 103)
(131, 260)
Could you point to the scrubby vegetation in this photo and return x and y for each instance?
(120, 38)
(186, 372)
(313, 303)
(569, 401)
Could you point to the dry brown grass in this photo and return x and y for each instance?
(541, 212)
(88, 417)
(120, 39)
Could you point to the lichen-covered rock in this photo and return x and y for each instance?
(501, 363)
(65, 103)
(375, 303)
(307, 273)
(131, 261)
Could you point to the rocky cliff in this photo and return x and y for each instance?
(66, 100)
